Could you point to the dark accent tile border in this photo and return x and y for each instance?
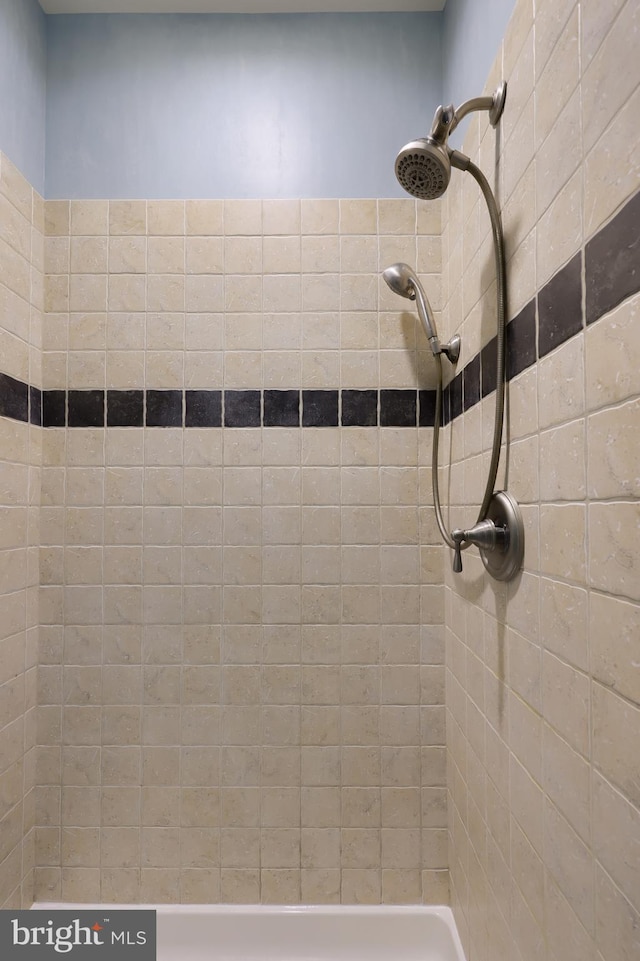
(455, 396)
(471, 378)
(359, 408)
(203, 408)
(611, 272)
(398, 408)
(560, 306)
(85, 408)
(612, 262)
(164, 408)
(426, 408)
(125, 408)
(14, 398)
(281, 408)
(35, 406)
(521, 341)
(489, 367)
(320, 408)
(54, 408)
(242, 408)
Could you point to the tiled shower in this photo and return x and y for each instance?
(236, 665)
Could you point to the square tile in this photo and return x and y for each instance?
(455, 396)
(612, 266)
(398, 408)
(203, 408)
(35, 406)
(54, 408)
(14, 398)
(426, 408)
(86, 408)
(471, 375)
(359, 408)
(281, 408)
(164, 408)
(242, 408)
(560, 306)
(521, 341)
(125, 408)
(319, 408)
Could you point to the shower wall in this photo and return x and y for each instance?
(241, 679)
(543, 682)
(23, 66)
(21, 270)
(236, 106)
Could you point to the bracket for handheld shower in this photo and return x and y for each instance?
(451, 350)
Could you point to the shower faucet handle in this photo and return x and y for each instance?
(458, 537)
(485, 534)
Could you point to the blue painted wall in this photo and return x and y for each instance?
(313, 105)
(471, 36)
(232, 105)
(22, 87)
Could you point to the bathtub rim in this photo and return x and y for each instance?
(441, 912)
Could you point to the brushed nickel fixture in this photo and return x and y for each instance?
(423, 168)
(499, 537)
(402, 280)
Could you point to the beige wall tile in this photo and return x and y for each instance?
(560, 230)
(561, 384)
(127, 217)
(562, 452)
(606, 90)
(615, 833)
(165, 217)
(204, 217)
(561, 72)
(613, 628)
(616, 920)
(613, 562)
(89, 218)
(570, 863)
(611, 468)
(554, 164)
(614, 723)
(608, 185)
(610, 345)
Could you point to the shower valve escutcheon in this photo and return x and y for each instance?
(500, 538)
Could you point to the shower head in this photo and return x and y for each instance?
(402, 280)
(423, 168)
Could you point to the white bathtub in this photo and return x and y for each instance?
(206, 932)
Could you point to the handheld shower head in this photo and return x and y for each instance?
(402, 280)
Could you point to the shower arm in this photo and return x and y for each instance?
(494, 104)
